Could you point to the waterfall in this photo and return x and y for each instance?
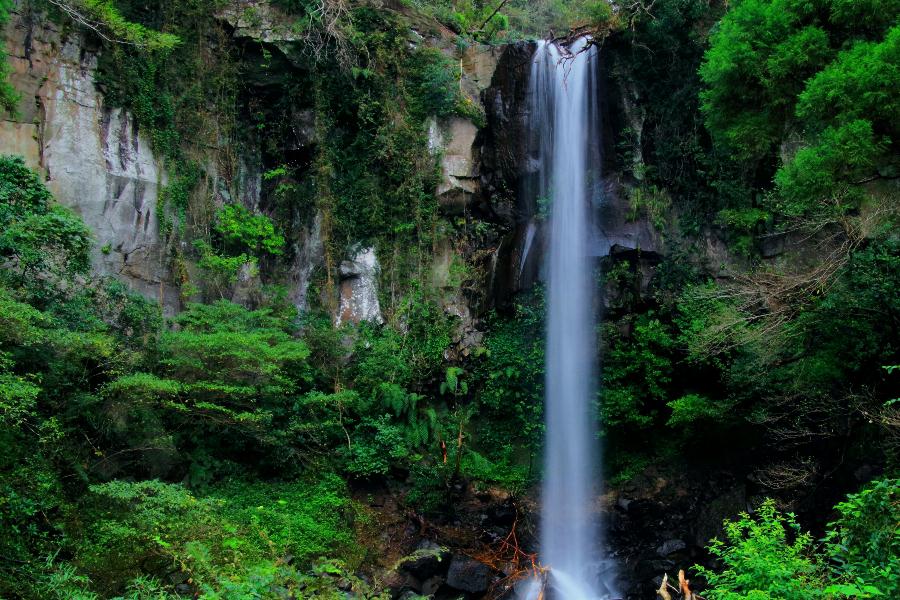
(564, 133)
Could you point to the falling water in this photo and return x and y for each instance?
(526, 246)
(564, 141)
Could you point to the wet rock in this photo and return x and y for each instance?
(670, 547)
(505, 150)
(432, 585)
(469, 575)
(308, 253)
(428, 561)
(183, 589)
(708, 523)
(394, 580)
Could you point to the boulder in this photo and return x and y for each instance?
(670, 547)
(429, 560)
(479, 61)
(469, 575)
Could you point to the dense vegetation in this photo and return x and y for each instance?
(225, 452)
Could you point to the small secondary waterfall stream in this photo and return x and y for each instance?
(564, 132)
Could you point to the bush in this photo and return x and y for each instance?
(39, 237)
(864, 542)
(764, 556)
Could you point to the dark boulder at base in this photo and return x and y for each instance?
(468, 575)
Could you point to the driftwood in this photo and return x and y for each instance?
(684, 588)
(683, 584)
(663, 591)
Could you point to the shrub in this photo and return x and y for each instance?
(763, 557)
(864, 542)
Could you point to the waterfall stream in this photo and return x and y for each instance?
(564, 132)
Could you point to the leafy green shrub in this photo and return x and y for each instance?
(775, 66)
(379, 446)
(509, 376)
(767, 556)
(434, 83)
(39, 237)
(693, 408)
(636, 374)
(222, 271)
(504, 472)
(223, 540)
(246, 231)
(863, 544)
(764, 556)
(307, 519)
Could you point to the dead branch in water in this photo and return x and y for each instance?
(663, 592)
(683, 589)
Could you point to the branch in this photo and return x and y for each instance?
(111, 27)
(662, 592)
(685, 588)
(486, 21)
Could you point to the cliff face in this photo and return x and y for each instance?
(509, 169)
(99, 161)
(94, 156)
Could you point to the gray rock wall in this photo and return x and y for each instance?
(94, 157)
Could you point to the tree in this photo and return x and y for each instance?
(38, 238)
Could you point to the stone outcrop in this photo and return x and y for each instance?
(358, 288)
(260, 21)
(469, 575)
(505, 148)
(459, 163)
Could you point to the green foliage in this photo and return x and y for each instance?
(9, 97)
(221, 272)
(518, 18)
(220, 541)
(169, 81)
(823, 177)
(764, 556)
(694, 408)
(768, 556)
(742, 225)
(39, 237)
(107, 19)
(830, 341)
(636, 374)
(510, 372)
(307, 519)
(506, 471)
(241, 229)
(380, 445)
(650, 201)
(375, 173)
(433, 84)
(819, 73)
(863, 544)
